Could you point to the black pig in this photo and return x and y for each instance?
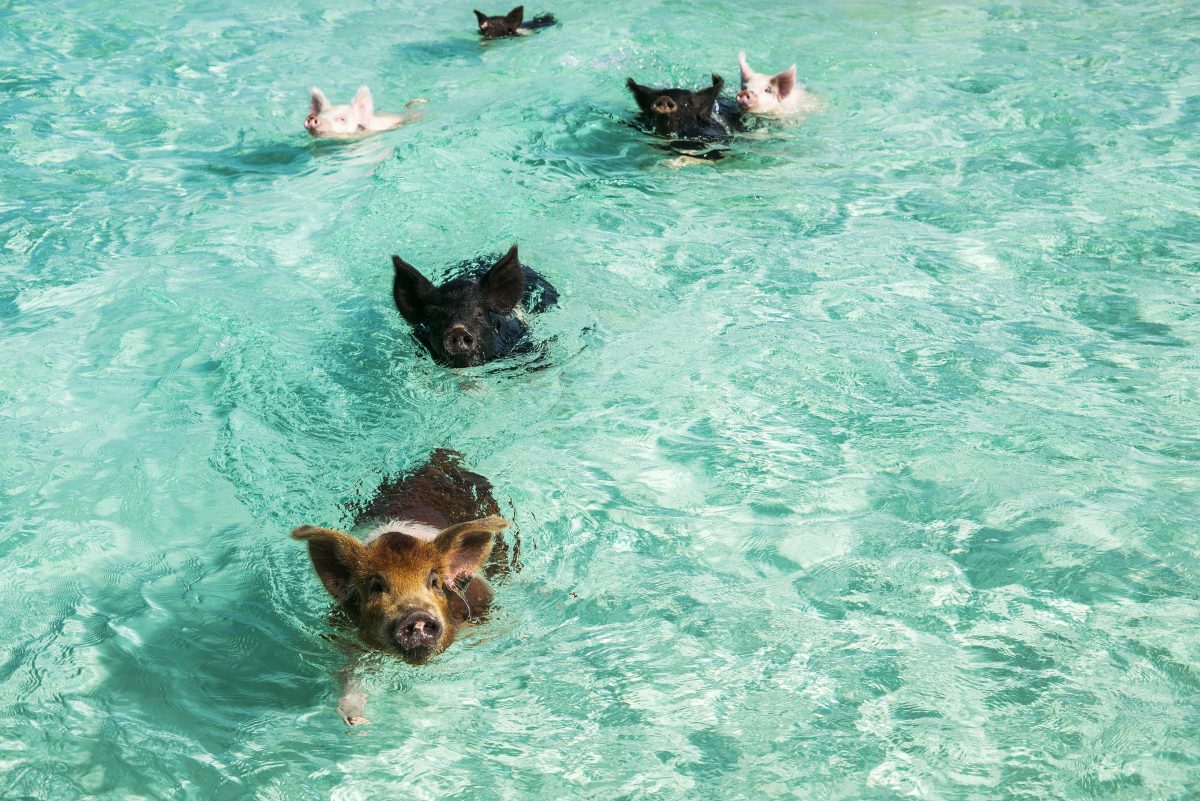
(472, 318)
(511, 24)
(701, 115)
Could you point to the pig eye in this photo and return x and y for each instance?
(378, 585)
(435, 580)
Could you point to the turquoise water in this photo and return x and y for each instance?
(865, 466)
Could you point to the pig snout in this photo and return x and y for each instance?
(459, 341)
(745, 99)
(417, 633)
(664, 105)
(311, 123)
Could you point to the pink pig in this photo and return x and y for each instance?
(773, 95)
(358, 118)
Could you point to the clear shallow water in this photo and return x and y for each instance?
(865, 466)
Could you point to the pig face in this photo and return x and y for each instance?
(404, 594)
(497, 27)
(767, 94)
(463, 322)
(325, 119)
(678, 112)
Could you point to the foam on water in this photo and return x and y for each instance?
(859, 465)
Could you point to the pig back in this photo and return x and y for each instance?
(440, 493)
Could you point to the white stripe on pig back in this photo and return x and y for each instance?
(412, 528)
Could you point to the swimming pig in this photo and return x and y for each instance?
(772, 94)
(472, 318)
(415, 580)
(683, 113)
(511, 24)
(353, 120)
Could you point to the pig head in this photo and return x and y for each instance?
(681, 112)
(326, 119)
(404, 593)
(498, 27)
(769, 94)
(469, 320)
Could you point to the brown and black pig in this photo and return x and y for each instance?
(415, 580)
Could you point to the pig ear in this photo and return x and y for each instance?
(747, 73)
(481, 17)
(335, 555)
(411, 290)
(504, 284)
(319, 101)
(466, 547)
(707, 97)
(363, 105)
(785, 82)
(643, 95)
(515, 16)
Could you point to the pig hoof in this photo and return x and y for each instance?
(350, 708)
(415, 101)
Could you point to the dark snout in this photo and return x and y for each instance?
(459, 342)
(417, 635)
(664, 105)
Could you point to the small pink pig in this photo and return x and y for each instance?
(357, 119)
(776, 95)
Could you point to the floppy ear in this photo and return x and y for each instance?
(504, 284)
(481, 17)
(642, 95)
(707, 97)
(515, 16)
(411, 290)
(319, 101)
(363, 105)
(466, 547)
(334, 555)
(785, 82)
(747, 73)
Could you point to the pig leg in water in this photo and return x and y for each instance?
(352, 700)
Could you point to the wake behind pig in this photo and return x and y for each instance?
(478, 315)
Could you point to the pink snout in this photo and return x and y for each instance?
(746, 99)
(311, 123)
(418, 632)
